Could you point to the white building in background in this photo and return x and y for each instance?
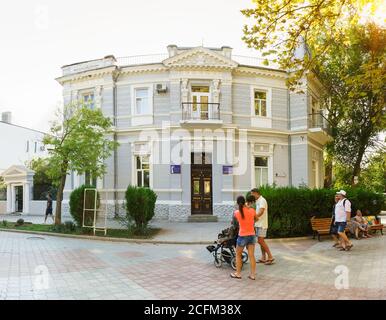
(18, 146)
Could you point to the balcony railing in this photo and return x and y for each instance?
(141, 59)
(200, 111)
(318, 121)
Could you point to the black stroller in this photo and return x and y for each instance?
(224, 248)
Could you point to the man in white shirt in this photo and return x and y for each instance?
(342, 216)
(262, 227)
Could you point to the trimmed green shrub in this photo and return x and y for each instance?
(4, 223)
(140, 205)
(290, 209)
(19, 222)
(77, 202)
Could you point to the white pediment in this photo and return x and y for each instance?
(17, 170)
(200, 58)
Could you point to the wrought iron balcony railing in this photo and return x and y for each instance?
(200, 111)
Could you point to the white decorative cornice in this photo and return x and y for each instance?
(199, 58)
(144, 68)
(87, 75)
(261, 72)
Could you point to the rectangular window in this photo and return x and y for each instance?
(27, 146)
(36, 147)
(89, 100)
(314, 177)
(143, 171)
(261, 171)
(260, 103)
(142, 103)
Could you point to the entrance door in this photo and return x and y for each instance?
(200, 107)
(201, 183)
(19, 198)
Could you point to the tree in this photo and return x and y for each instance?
(354, 76)
(78, 141)
(374, 173)
(279, 26)
(344, 51)
(43, 183)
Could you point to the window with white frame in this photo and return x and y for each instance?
(90, 179)
(261, 171)
(260, 103)
(143, 170)
(315, 175)
(142, 101)
(89, 99)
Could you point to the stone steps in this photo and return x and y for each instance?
(202, 218)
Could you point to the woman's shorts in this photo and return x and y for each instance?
(243, 241)
(48, 212)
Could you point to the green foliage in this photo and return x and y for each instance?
(290, 209)
(78, 141)
(3, 190)
(77, 202)
(42, 183)
(140, 205)
(4, 223)
(374, 174)
(66, 227)
(19, 222)
(278, 27)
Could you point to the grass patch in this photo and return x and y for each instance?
(113, 233)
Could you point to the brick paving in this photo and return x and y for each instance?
(85, 269)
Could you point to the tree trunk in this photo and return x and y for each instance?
(357, 165)
(328, 174)
(59, 195)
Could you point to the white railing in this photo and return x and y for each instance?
(141, 59)
(255, 62)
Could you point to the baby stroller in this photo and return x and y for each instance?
(224, 248)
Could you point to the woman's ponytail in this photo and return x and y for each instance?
(241, 203)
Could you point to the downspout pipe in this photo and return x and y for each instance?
(115, 108)
(289, 140)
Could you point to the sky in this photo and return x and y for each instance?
(38, 37)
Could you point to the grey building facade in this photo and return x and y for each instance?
(200, 126)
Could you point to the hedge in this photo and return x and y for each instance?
(290, 209)
(77, 202)
(140, 205)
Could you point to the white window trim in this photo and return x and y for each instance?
(269, 155)
(85, 92)
(142, 119)
(259, 121)
(134, 154)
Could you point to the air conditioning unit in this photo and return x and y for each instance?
(161, 88)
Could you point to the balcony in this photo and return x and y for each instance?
(201, 113)
(319, 128)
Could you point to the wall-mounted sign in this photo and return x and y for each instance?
(175, 169)
(227, 169)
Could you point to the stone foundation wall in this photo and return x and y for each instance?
(223, 212)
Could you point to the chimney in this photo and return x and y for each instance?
(172, 49)
(227, 51)
(6, 117)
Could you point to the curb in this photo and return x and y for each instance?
(138, 241)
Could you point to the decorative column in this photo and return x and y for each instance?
(13, 199)
(9, 198)
(26, 197)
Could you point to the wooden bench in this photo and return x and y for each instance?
(374, 224)
(320, 226)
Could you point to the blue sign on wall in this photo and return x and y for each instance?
(175, 169)
(227, 169)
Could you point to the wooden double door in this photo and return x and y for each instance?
(201, 183)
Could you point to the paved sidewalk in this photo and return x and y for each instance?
(197, 232)
(49, 267)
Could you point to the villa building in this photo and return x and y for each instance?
(200, 126)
